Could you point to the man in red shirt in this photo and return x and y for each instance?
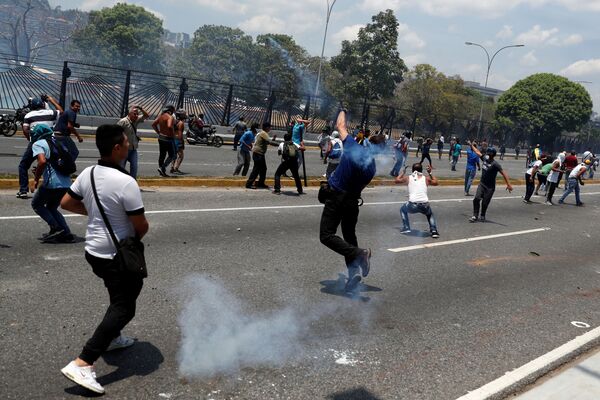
(570, 163)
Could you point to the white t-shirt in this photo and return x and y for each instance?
(553, 176)
(538, 164)
(576, 170)
(44, 116)
(417, 188)
(120, 197)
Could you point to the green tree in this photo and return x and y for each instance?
(545, 105)
(126, 35)
(371, 64)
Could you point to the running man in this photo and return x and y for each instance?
(471, 169)
(418, 202)
(425, 151)
(487, 184)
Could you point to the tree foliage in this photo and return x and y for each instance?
(371, 64)
(545, 105)
(124, 35)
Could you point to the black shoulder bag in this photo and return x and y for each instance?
(130, 251)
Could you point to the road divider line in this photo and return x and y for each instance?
(465, 240)
(267, 208)
(527, 374)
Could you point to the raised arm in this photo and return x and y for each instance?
(341, 125)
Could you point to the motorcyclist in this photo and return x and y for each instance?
(197, 126)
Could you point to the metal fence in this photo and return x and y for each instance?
(109, 92)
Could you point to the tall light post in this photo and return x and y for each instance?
(330, 5)
(487, 75)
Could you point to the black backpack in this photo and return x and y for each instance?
(60, 158)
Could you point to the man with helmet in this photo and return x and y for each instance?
(39, 114)
(574, 180)
(487, 185)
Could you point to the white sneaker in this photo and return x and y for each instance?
(120, 343)
(84, 376)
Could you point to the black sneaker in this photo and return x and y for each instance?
(45, 235)
(161, 172)
(262, 187)
(352, 284)
(435, 234)
(68, 238)
(276, 191)
(54, 236)
(482, 218)
(473, 219)
(22, 195)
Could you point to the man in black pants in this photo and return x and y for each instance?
(259, 150)
(164, 127)
(487, 184)
(120, 196)
(287, 150)
(355, 171)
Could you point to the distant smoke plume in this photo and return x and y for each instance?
(220, 337)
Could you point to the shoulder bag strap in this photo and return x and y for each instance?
(101, 209)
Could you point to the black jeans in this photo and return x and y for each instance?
(291, 165)
(483, 196)
(26, 161)
(529, 187)
(425, 156)
(123, 291)
(166, 147)
(341, 208)
(259, 169)
(551, 189)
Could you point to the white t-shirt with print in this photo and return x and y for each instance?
(120, 197)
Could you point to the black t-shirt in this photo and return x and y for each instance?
(489, 172)
(63, 122)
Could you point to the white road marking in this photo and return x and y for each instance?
(579, 324)
(266, 208)
(501, 387)
(465, 240)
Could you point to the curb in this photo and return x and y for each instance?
(13, 183)
(527, 374)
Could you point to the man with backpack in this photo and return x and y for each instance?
(55, 164)
(334, 152)
(287, 150)
(401, 153)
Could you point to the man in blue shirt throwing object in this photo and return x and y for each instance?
(341, 198)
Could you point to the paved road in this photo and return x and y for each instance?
(429, 323)
(208, 161)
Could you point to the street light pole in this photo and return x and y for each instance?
(329, 9)
(487, 75)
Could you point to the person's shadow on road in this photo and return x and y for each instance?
(354, 394)
(141, 359)
(337, 288)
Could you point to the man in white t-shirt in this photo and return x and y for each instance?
(418, 201)
(120, 197)
(574, 180)
(530, 180)
(40, 114)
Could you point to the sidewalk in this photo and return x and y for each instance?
(578, 382)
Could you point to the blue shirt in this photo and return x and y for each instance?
(62, 125)
(297, 133)
(247, 138)
(472, 159)
(356, 169)
(52, 179)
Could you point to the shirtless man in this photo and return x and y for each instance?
(164, 127)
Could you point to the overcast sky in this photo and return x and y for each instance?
(559, 35)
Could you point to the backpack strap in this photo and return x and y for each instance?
(101, 209)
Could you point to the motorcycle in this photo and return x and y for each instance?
(207, 135)
(8, 124)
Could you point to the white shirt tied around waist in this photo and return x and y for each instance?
(417, 188)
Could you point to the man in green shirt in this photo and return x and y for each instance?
(259, 169)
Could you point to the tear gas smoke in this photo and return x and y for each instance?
(307, 79)
(219, 336)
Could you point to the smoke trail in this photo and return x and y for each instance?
(219, 336)
(307, 79)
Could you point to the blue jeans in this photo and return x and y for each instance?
(24, 166)
(469, 177)
(417, 208)
(132, 157)
(572, 186)
(68, 142)
(45, 203)
(400, 159)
